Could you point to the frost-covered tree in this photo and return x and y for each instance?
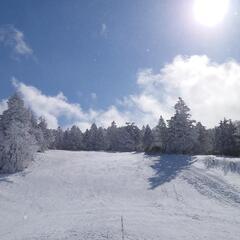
(181, 133)
(47, 133)
(75, 138)
(94, 138)
(125, 142)
(58, 139)
(86, 137)
(111, 137)
(66, 140)
(204, 143)
(160, 133)
(147, 139)
(134, 136)
(101, 137)
(92, 141)
(226, 140)
(17, 144)
(37, 132)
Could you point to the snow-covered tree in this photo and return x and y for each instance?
(47, 134)
(160, 133)
(111, 137)
(66, 140)
(182, 136)
(76, 138)
(94, 139)
(101, 137)
(226, 140)
(58, 139)
(147, 139)
(135, 136)
(125, 142)
(86, 137)
(36, 131)
(204, 143)
(17, 144)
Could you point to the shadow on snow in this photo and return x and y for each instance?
(167, 167)
(5, 178)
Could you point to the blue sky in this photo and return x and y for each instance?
(94, 51)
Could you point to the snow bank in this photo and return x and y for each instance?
(225, 164)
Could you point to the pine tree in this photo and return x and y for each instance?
(17, 144)
(226, 142)
(111, 137)
(204, 143)
(134, 135)
(148, 139)
(58, 138)
(42, 126)
(76, 138)
(36, 131)
(125, 142)
(160, 133)
(181, 135)
(86, 137)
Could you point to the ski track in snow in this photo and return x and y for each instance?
(82, 195)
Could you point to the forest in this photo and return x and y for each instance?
(22, 134)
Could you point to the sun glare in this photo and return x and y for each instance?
(210, 12)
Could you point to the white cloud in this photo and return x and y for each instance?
(52, 108)
(103, 30)
(112, 114)
(93, 96)
(211, 90)
(14, 38)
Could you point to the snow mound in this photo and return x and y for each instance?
(225, 164)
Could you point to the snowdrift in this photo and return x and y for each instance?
(225, 164)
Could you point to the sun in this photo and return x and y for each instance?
(210, 12)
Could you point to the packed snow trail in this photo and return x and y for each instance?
(82, 195)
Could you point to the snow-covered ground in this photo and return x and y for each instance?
(82, 195)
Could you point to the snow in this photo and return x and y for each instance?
(82, 195)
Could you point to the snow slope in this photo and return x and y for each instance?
(82, 195)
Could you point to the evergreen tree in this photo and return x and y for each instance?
(59, 139)
(17, 144)
(76, 138)
(204, 144)
(160, 133)
(86, 137)
(148, 139)
(134, 134)
(226, 141)
(181, 135)
(125, 142)
(111, 137)
(47, 137)
(37, 132)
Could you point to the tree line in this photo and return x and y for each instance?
(22, 135)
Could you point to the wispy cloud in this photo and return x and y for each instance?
(103, 30)
(52, 108)
(14, 38)
(93, 96)
(211, 90)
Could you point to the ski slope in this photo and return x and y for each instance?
(82, 195)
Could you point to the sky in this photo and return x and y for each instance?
(79, 62)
